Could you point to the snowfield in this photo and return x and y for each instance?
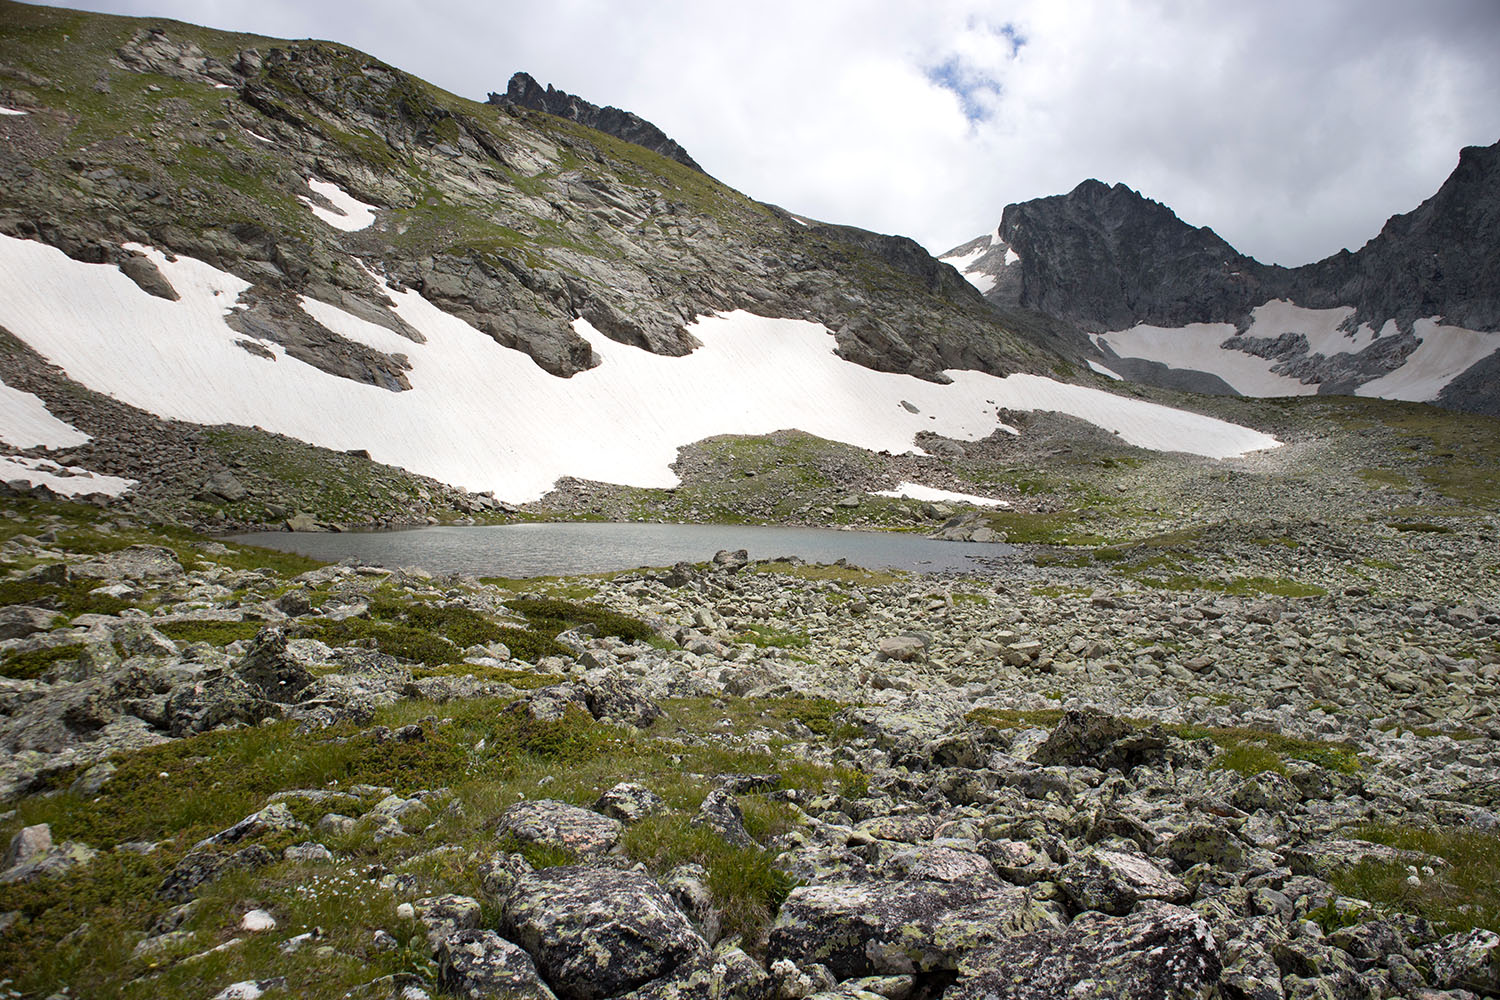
(1443, 352)
(25, 422)
(350, 214)
(482, 416)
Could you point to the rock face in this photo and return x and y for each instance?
(523, 91)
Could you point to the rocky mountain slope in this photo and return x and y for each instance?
(222, 229)
(1411, 315)
(524, 92)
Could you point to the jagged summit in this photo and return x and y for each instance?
(523, 91)
(1414, 314)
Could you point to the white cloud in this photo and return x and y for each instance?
(1291, 128)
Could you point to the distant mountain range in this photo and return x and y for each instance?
(1414, 314)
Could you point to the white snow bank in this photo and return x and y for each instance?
(13, 111)
(1011, 257)
(963, 260)
(916, 491)
(67, 480)
(1195, 347)
(1320, 326)
(25, 422)
(980, 280)
(486, 417)
(1101, 370)
(1444, 352)
(256, 135)
(350, 214)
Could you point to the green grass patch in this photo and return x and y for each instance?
(553, 615)
(852, 576)
(770, 637)
(1422, 527)
(33, 663)
(213, 633)
(71, 598)
(1462, 896)
(1254, 751)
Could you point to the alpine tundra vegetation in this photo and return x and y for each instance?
(1219, 721)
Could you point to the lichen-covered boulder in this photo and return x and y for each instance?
(1113, 881)
(597, 932)
(198, 868)
(721, 814)
(1468, 960)
(886, 927)
(559, 824)
(629, 802)
(446, 915)
(1158, 952)
(1080, 738)
(728, 974)
(940, 864)
(476, 964)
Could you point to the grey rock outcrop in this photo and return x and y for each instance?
(523, 91)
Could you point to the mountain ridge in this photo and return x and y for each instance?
(1108, 260)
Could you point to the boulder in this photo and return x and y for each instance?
(477, 964)
(21, 620)
(138, 562)
(211, 701)
(1158, 952)
(1469, 960)
(444, 916)
(902, 648)
(721, 814)
(274, 818)
(222, 486)
(887, 927)
(598, 932)
(199, 868)
(1113, 881)
(629, 802)
(558, 824)
(271, 670)
(1081, 738)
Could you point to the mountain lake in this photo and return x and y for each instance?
(567, 548)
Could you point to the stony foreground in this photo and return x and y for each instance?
(235, 773)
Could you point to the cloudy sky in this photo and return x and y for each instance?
(1292, 127)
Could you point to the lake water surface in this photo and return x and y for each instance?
(556, 549)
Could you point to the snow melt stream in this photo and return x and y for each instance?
(486, 417)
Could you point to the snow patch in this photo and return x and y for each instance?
(980, 280)
(963, 260)
(486, 417)
(1444, 353)
(1100, 369)
(1011, 257)
(916, 491)
(66, 480)
(350, 214)
(256, 135)
(25, 422)
(1195, 347)
(13, 111)
(1319, 326)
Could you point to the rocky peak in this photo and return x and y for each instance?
(1440, 259)
(524, 92)
(1109, 257)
